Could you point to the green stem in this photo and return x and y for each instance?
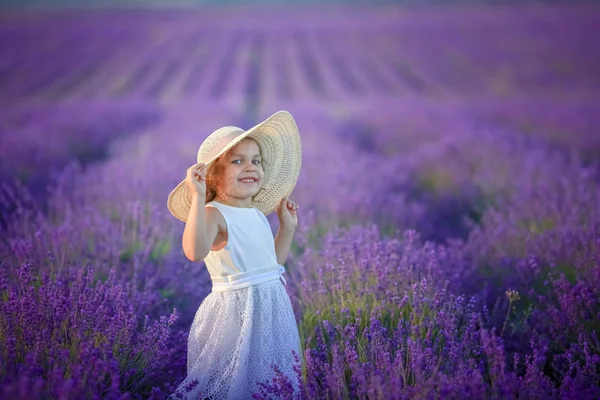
(506, 319)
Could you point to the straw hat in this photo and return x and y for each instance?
(280, 148)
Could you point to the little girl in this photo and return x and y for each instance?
(246, 323)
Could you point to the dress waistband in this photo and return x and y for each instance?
(245, 279)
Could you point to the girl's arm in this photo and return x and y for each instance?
(288, 220)
(283, 242)
(200, 231)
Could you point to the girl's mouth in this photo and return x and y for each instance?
(249, 180)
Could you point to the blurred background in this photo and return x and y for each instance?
(110, 69)
(388, 77)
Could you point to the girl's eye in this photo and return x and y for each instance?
(255, 162)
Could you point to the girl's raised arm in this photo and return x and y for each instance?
(201, 227)
(201, 230)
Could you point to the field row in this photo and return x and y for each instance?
(168, 61)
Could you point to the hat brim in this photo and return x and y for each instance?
(281, 151)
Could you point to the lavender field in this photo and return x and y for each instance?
(449, 238)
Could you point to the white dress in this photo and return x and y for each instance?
(247, 322)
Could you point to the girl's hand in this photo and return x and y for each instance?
(196, 179)
(287, 213)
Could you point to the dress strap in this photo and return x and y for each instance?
(226, 212)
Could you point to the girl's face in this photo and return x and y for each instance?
(240, 173)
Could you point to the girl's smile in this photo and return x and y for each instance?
(249, 180)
